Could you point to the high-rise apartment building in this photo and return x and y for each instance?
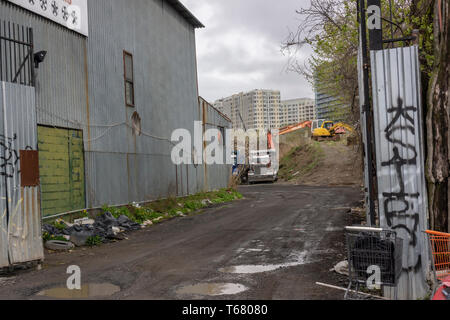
(329, 107)
(296, 111)
(257, 109)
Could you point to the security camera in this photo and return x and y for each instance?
(39, 57)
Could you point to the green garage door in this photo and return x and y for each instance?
(61, 164)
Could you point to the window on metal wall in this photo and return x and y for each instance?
(129, 79)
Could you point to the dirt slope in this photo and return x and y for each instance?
(322, 164)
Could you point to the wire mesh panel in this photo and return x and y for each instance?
(380, 249)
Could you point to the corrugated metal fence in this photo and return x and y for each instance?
(399, 137)
(215, 176)
(20, 217)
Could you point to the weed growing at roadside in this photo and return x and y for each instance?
(193, 205)
(85, 214)
(94, 241)
(144, 214)
(160, 210)
(48, 237)
(59, 224)
(117, 212)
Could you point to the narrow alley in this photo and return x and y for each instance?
(276, 243)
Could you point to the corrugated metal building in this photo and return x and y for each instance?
(107, 104)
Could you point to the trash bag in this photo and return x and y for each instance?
(80, 238)
(51, 230)
(103, 228)
(106, 220)
(128, 225)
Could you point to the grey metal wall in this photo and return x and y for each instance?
(80, 85)
(163, 47)
(400, 160)
(21, 238)
(61, 79)
(215, 176)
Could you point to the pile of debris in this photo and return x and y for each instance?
(105, 228)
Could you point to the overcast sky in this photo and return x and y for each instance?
(240, 48)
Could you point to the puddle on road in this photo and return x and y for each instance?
(256, 250)
(300, 259)
(93, 290)
(334, 229)
(6, 280)
(213, 289)
(251, 269)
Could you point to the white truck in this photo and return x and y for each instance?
(263, 166)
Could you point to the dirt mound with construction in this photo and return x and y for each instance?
(292, 140)
(330, 163)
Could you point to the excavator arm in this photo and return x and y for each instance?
(294, 128)
(341, 125)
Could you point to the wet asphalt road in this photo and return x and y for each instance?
(275, 244)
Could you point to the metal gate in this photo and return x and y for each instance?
(20, 218)
(61, 164)
(16, 54)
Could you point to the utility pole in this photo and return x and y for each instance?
(368, 115)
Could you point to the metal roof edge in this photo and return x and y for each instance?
(181, 9)
(214, 108)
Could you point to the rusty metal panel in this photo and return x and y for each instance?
(21, 203)
(29, 168)
(399, 137)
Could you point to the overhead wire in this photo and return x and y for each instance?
(109, 127)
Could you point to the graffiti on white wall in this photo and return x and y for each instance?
(72, 14)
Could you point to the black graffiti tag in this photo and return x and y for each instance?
(395, 125)
(55, 8)
(9, 157)
(402, 124)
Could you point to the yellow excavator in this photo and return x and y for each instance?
(330, 131)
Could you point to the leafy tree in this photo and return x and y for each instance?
(330, 28)
(437, 82)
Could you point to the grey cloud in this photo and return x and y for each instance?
(240, 48)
